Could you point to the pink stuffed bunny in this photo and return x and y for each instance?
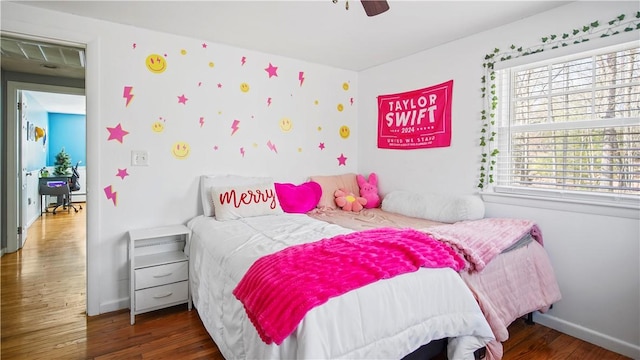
(369, 190)
(347, 201)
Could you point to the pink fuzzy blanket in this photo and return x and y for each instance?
(279, 289)
(482, 240)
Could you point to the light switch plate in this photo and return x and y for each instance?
(139, 158)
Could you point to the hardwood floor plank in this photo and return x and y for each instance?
(43, 312)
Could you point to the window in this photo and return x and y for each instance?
(570, 127)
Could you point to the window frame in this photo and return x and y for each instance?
(571, 198)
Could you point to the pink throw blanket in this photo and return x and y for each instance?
(482, 240)
(279, 289)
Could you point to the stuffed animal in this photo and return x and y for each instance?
(369, 190)
(349, 202)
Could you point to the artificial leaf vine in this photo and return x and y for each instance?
(553, 41)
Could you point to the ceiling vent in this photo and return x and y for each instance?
(31, 56)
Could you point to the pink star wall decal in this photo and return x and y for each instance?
(122, 173)
(271, 70)
(342, 160)
(182, 99)
(116, 133)
(321, 146)
(204, 45)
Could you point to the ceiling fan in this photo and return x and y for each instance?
(371, 7)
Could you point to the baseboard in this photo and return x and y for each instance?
(588, 335)
(114, 305)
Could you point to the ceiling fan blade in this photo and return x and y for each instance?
(374, 7)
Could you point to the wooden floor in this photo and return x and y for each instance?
(43, 312)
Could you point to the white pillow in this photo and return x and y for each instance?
(240, 201)
(209, 181)
(436, 207)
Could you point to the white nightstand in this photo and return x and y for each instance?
(159, 268)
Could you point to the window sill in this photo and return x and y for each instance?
(626, 210)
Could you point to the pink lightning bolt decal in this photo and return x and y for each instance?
(243, 60)
(111, 195)
(127, 94)
(301, 77)
(234, 126)
(272, 146)
(268, 101)
(242, 151)
(201, 121)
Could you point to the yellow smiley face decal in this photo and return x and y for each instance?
(286, 125)
(157, 126)
(340, 107)
(344, 131)
(345, 86)
(244, 87)
(156, 63)
(181, 150)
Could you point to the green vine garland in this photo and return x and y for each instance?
(488, 89)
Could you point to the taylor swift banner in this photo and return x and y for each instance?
(416, 119)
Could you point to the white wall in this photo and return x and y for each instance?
(166, 191)
(596, 257)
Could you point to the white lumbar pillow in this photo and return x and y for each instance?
(436, 207)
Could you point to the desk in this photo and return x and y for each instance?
(55, 186)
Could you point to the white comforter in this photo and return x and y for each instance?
(385, 320)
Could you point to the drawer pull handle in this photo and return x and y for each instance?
(163, 296)
(162, 275)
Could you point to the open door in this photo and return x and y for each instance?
(23, 181)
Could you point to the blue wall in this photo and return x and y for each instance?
(67, 131)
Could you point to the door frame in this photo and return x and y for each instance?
(14, 153)
(26, 22)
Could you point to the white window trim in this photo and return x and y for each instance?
(620, 209)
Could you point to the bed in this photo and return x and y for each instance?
(390, 318)
(517, 282)
(385, 320)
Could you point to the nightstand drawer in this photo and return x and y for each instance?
(162, 295)
(161, 274)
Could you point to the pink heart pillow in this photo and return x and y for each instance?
(298, 198)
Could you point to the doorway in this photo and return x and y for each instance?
(24, 113)
(45, 67)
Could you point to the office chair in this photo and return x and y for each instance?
(74, 185)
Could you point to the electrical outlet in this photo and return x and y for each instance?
(139, 158)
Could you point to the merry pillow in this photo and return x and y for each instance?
(208, 182)
(298, 198)
(239, 201)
